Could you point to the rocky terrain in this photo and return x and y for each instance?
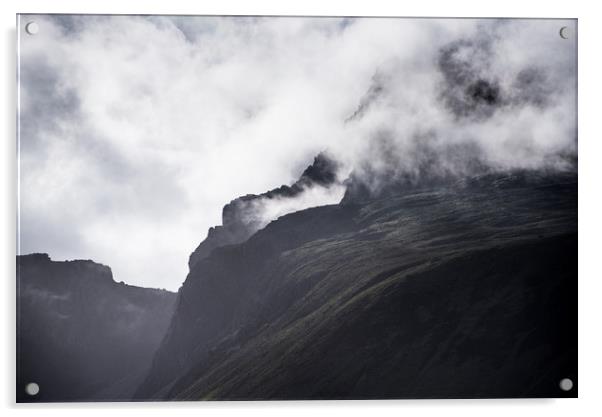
(239, 217)
(81, 336)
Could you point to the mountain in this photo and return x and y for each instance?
(81, 336)
(449, 289)
(239, 217)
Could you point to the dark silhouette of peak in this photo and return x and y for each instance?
(35, 257)
(396, 295)
(322, 171)
(399, 291)
(80, 335)
(240, 216)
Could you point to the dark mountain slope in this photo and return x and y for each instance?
(82, 336)
(455, 290)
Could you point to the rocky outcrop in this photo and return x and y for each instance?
(240, 218)
(81, 336)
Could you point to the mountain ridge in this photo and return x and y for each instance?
(239, 217)
(230, 296)
(81, 336)
(388, 294)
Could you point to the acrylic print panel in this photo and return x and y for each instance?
(278, 208)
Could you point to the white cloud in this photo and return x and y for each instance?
(264, 210)
(136, 131)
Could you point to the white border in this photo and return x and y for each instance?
(590, 210)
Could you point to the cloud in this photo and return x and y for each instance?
(264, 210)
(135, 131)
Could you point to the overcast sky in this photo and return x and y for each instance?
(135, 131)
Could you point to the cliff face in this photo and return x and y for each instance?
(80, 335)
(466, 289)
(240, 218)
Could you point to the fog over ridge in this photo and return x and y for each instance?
(135, 131)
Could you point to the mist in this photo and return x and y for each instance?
(135, 131)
